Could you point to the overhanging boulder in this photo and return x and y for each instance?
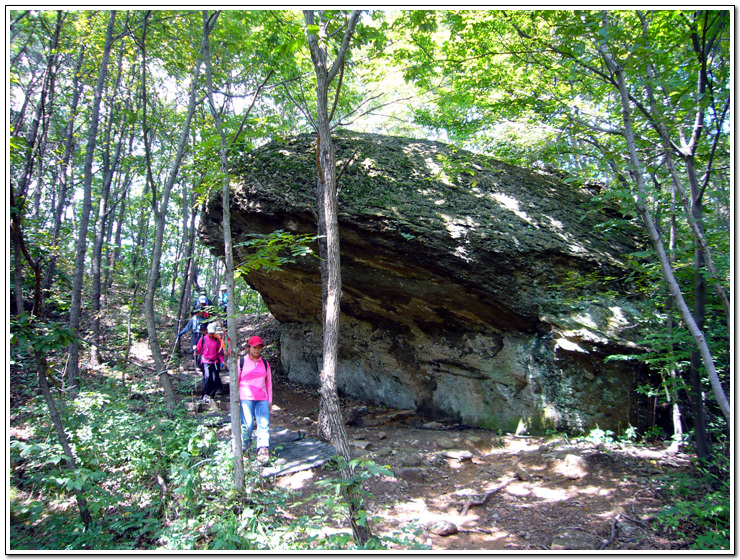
(472, 290)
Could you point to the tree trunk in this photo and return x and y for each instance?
(17, 278)
(672, 392)
(159, 220)
(667, 270)
(40, 357)
(41, 369)
(703, 447)
(330, 416)
(81, 248)
(109, 169)
(209, 23)
(703, 261)
(233, 359)
(113, 254)
(32, 154)
(180, 251)
(183, 308)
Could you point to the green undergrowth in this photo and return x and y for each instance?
(152, 481)
(701, 510)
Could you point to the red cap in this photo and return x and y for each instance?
(255, 341)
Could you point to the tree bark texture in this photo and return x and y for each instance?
(159, 220)
(331, 421)
(81, 249)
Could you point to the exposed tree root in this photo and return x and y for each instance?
(472, 503)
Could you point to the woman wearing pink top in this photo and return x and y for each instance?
(255, 394)
(210, 350)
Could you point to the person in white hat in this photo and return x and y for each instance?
(210, 350)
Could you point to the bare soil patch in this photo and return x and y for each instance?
(473, 489)
(550, 493)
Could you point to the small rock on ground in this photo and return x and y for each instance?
(442, 528)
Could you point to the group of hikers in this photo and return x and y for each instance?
(210, 352)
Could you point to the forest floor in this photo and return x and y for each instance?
(473, 489)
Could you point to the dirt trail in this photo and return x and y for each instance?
(559, 493)
(473, 489)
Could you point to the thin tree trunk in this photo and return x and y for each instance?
(209, 23)
(693, 209)
(188, 240)
(667, 270)
(330, 416)
(114, 253)
(700, 301)
(42, 369)
(17, 278)
(236, 431)
(703, 260)
(131, 308)
(81, 248)
(40, 357)
(142, 233)
(109, 169)
(33, 153)
(672, 394)
(159, 220)
(180, 246)
(184, 306)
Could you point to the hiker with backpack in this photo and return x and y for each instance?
(195, 324)
(255, 395)
(204, 303)
(211, 352)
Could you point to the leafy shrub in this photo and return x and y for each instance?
(155, 480)
(701, 509)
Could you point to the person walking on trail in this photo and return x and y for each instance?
(223, 299)
(210, 350)
(204, 303)
(195, 324)
(196, 356)
(255, 395)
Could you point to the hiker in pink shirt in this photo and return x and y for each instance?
(211, 352)
(255, 394)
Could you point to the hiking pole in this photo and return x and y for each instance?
(172, 355)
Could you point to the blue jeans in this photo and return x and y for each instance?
(255, 412)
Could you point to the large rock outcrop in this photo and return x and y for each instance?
(472, 290)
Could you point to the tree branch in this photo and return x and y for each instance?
(249, 110)
(339, 61)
